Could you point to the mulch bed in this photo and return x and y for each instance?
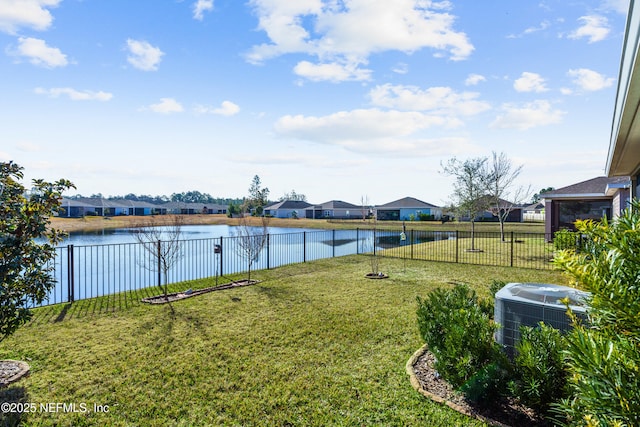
(161, 299)
(505, 413)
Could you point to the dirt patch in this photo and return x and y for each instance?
(161, 299)
(11, 371)
(376, 276)
(504, 413)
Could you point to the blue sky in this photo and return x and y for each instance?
(336, 99)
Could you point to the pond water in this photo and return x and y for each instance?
(187, 232)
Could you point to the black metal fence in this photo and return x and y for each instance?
(90, 271)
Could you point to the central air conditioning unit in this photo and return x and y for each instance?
(527, 304)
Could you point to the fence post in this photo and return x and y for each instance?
(511, 263)
(304, 246)
(374, 242)
(268, 263)
(457, 246)
(411, 242)
(70, 274)
(159, 255)
(221, 255)
(333, 245)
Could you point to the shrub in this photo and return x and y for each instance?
(604, 358)
(458, 332)
(540, 368)
(490, 383)
(487, 305)
(565, 240)
(426, 217)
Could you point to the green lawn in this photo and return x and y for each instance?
(312, 344)
(526, 251)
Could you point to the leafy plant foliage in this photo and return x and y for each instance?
(539, 367)
(458, 332)
(24, 263)
(604, 357)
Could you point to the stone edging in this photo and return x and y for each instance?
(24, 370)
(418, 387)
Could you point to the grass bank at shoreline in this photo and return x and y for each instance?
(72, 225)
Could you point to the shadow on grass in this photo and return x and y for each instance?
(127, 300)
(16, 397)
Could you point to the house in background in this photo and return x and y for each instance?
(76, 208)
(287, 209)
(188, 208)
(406, 209)
(592, 199)
(334, 209)
(515, 212)
(533, 212)
(139, 208)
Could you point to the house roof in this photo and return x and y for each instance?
(288, 204)
(194, 206)
(534, 207)
(335, 204)
(406, 203)
(592, 188)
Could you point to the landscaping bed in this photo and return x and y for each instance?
(177, 296)
(426, 380)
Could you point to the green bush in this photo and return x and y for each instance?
(604, 357)
(540, 369)
(426, 217)
(565, 240)
(458, 332)
(490, 383)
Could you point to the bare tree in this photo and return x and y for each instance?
(364, 202)
(294, 196)
(250, 240)
(162, 244)
(501, 179)
(374, 259)
(469, 188)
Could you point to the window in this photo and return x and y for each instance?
(570, 211)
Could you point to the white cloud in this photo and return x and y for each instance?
(201, 6)
(38, 53)
(167, 106)
(372, 131)
(333, 72)
(401, 68)
(348, 34)
(620, 6)
(594, 27)
(75, 95)
(28, 147)
(143, 55)
(590, 80)
(474, 79)
(530, 82)
(227, 108)
(530, 115)
(300, 160)
(25, 13)
(439, 100)
(543, 26)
